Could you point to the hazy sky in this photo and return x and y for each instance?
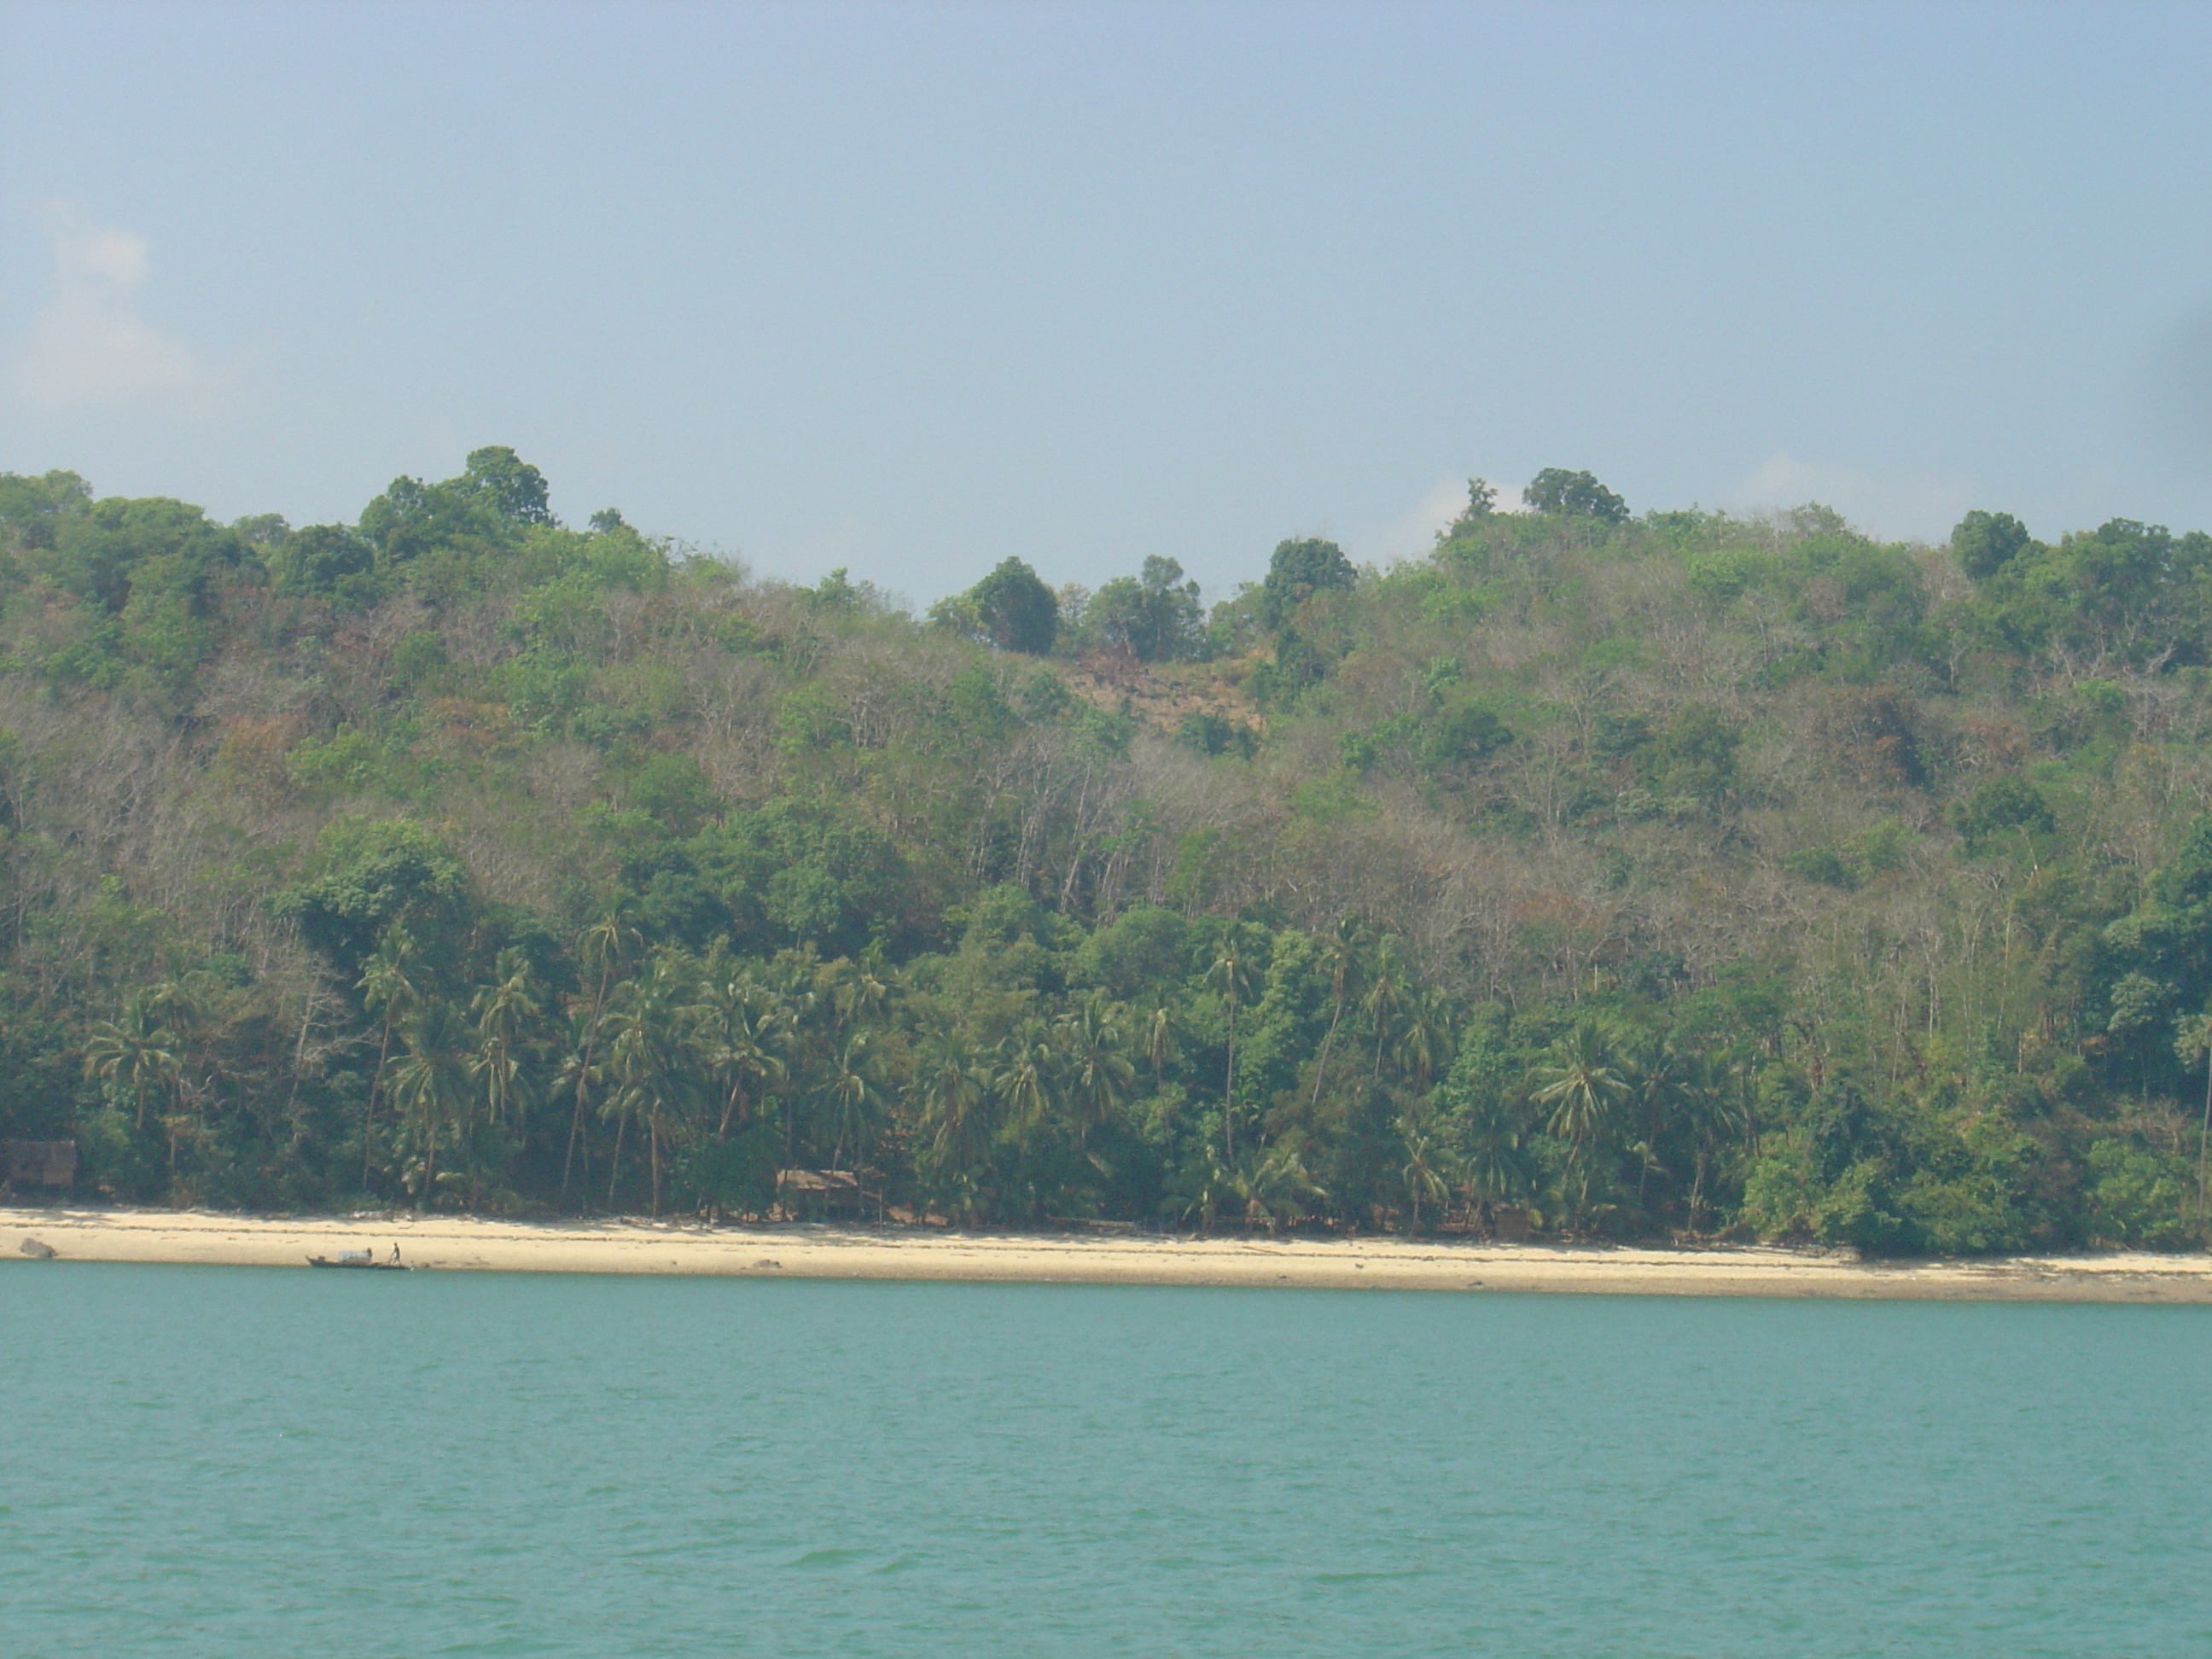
(911, 288)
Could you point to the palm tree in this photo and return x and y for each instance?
(1159, 1045)
(1342, 952)
(1234, 972)
(1274, 1185)
(860, 990)
(651, 1062)
(184, 1006)
(955, 1095)
(504, 1011)
(431, 1083)
(1386, 986)
(389, 989)
(1024, 1077)
(1582, 1084)
(1423, 1047)
(582, 1070)
(604, 947)
(852, 1091)
(2193, 1041)
(193, 1009)
(1710, 1103)
(628, 1061)
(1493, 1159)
(1427, 1163)
(744, 1029)
(1197, 1188)
(1658, 1073)
(136, 1050)
(801, 973)
(1098, 1068)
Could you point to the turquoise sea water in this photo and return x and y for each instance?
(256, 1463)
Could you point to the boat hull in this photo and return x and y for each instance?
(359, 1266)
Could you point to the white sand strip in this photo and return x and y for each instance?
(631, 1246)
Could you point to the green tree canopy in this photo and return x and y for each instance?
(325, 559)
(1559, 494)
(115, 549)
(2007, 801)
(1984, 543)
(1015, 609)
(32, 507)
(515, 489)
(376, 872)
(496, 495)
(1297, 571)
(1156, 614)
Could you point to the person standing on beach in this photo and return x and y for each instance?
(395, 1253)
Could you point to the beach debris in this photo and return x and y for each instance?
(768, 1262)
(37, 1250)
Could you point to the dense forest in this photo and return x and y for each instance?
(1621, 875)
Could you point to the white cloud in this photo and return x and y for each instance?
(1923, 506)
(89, 349)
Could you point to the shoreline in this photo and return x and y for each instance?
(802, 1250)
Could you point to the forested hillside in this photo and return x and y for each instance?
(1634, 875)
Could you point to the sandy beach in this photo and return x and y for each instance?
(634, 1246)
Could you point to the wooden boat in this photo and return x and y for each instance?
(364, 1260)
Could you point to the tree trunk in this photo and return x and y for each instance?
(300, 1055)
(575, 1124)
(614, 1169)
(2204, 1130)
(1229, 1090)
(1320, 1064)
(369, 1112)
(576, 1118)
